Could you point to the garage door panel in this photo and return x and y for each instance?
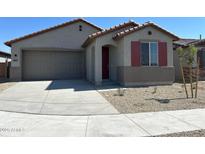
(50, 65)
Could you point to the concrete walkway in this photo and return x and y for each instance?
(139, 124)
(60, 97)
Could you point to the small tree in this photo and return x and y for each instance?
(197, 77)
(181, 55)
(190, 59)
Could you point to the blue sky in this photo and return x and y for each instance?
(183, 27)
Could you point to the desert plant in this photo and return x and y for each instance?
(197, 78)
(181, 55)
(121, 91)
(190, 59)
(155, 90)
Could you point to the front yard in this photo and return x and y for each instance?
(155, 98)
(195, 133)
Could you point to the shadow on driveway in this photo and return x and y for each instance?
(84, 85)
(78, 85)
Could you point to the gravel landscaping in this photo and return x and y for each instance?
(196, 133)
(154, 98)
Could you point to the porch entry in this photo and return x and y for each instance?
(105, 62)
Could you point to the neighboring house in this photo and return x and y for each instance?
(129, 53)
(200, 45)
(4, 64)
(4, 56)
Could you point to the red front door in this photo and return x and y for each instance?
(105, 62)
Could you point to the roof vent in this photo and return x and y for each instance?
(80, 27)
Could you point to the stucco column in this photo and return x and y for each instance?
(15, 69)
(98, 64)
(6, 66)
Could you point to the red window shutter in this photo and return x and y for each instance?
(135, 53)
(162, 53)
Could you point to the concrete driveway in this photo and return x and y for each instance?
(60, 97)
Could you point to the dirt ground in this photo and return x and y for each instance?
(196, 133)
(155, 98)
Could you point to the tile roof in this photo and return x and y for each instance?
(197, 42)
(184, 41)
(8, 43)
(106, 31)
(139, 27)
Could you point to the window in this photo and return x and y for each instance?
(145, 54)
(149, 54)
(154, 54)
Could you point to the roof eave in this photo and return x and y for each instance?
(9, 43)
(175, 38)
(87, 41)
(5, 54)
(90, 39)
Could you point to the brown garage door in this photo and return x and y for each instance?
(53, 65)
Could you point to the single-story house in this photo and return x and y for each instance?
(128, 53)
(200, 45)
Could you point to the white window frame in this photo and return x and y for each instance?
(149, 42)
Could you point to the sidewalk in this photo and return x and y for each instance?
(139, 124)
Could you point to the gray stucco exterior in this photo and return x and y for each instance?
(67, 38)
(138, 76)
(70, 39)
(120, 59)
